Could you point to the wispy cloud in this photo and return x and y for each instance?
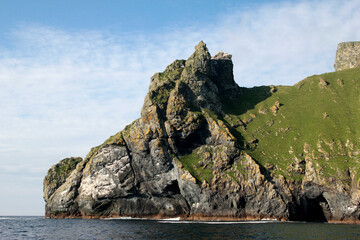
(281, 43)
(62, 92)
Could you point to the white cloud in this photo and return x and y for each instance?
(282, 43)
(62, 92)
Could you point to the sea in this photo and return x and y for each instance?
(42, 228)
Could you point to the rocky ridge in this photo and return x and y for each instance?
(197, 152)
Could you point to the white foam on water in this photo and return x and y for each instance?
(244, 222)
(177, 220)
(129, 218)
(222, 222)
(170, 219)
(122, 218)
(133, 218)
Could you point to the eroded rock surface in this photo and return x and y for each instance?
(183, 158)
(347, 56)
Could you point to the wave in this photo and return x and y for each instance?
(170, 219)
(221, 222)
(177, 220)
(134, 218)
(126, 218)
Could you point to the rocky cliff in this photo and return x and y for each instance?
(347, 55)
(205, 148)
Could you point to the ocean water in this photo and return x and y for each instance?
(41, 228)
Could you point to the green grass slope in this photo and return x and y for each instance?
(317, 118)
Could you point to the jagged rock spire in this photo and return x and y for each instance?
(200, 80)
(200, 60)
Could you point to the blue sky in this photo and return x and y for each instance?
(122, 16)
(72, 73)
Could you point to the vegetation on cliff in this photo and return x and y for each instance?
(204, 146)
(312, 122)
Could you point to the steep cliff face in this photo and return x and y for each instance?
(204, 148)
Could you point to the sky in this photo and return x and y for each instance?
(73, 73)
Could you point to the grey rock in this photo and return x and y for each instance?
(139, 172)
(347, 56)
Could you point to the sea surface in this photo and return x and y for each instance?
(41, 228)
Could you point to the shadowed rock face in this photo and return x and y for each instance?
(147, 169)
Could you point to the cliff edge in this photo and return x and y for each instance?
(205, 148)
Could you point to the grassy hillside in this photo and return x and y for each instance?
(318, 118)
(285, 127)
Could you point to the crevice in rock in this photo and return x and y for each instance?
(194, 140)
(102, 206)
(131, 166)
(265, 172)
(172, 188)
(313, 209)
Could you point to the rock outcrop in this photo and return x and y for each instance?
(347, 56)
(187, 156)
